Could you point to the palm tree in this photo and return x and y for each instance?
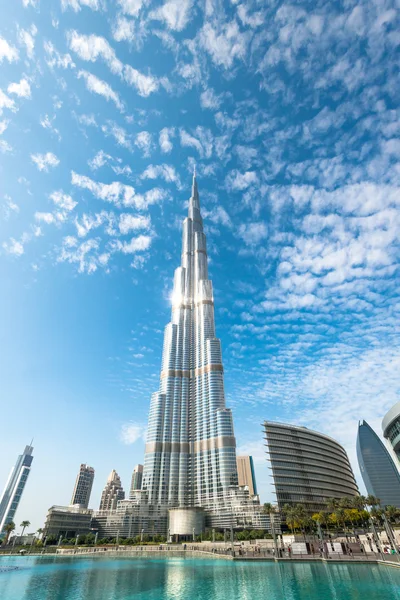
(40, 531)
(8, 529)
(24, 525)
(372, 501)
(392, 513)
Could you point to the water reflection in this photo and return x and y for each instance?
(99, 578)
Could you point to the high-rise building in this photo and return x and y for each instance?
(136, 483)
(380, 475)
(83, 486)
(112, 493)
(14, 487)
(391, 428)
(190, 457)
(307, 467)
(246, 474)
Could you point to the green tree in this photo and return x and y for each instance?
(40, 531)
(372, 501)
(24, 525)
(392, 513)
(9, 528)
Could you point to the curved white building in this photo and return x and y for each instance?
(391, 428)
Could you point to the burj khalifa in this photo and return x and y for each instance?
(190, 458)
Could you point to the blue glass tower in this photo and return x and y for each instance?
(14, 488)
(380, 475)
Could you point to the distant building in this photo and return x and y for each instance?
(67, 521)
(391, 428)
(246, 474)
(308, 467)
(83, 486)
(136, 483)
(380, 475)
(14, 488)
(112, 493)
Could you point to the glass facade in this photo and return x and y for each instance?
(190, 457)
(307, 467)
(14, 488)
(380, 474)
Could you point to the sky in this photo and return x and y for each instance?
(290, 114)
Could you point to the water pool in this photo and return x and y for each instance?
(65, 578)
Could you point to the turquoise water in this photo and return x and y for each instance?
(50, 578)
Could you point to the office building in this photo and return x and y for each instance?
(136, 483)
(14, 488)
(67, 521)
(112, 493)
(190, 457)
(246, 474)
(83, 486)
(391, 428)
(307, 467)
(380, 474)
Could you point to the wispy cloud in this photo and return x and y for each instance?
(45, 161)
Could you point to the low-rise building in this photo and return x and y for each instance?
(67, 521)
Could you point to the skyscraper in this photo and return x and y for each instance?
(246, 474)
(112, 493)
(83, 486)
(136, 482)
(14, 488)
(190, 458)
(308, 467)
(380, 475)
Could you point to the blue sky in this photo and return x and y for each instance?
(290, 113)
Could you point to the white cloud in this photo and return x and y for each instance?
(92, 47)
(132, 432)
(143, 141)
(190, 141)
(166, 172)
(13, 247)
(99, 160)
(253, 233)
(55, 59)
(131, 7)
(45, 161)
(176, 14)
(6, 102)
(165, 139)
(5, 147)
(27, 39)
(3, 126)
(116, 192)
(7, 51)
(21, 89)
(225, 43)
(118, 133)
(63, 201)
(145, 84)
(138, 244)
(76, 5)
(98, 86)
(208, 99)
(45, 217)
(240, 181)
(34, 3)
(128, 222)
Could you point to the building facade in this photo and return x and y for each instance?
(83, 486)
(190, 457)
(14, 488)
(246, 473)
(112, 493)
(308, 467)
(391, 428)
(380, 474)
(136, 482)
(67, 521)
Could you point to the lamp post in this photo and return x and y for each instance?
(194, 535)
(141, 536)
